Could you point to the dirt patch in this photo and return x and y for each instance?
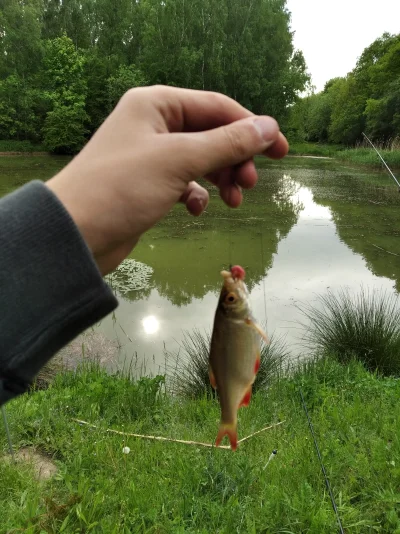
(43, 466)
(89, 346)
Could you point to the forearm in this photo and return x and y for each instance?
(50, 286)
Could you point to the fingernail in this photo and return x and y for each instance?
(268, 128)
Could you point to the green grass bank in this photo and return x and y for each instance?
(358, 156)
(162, 487)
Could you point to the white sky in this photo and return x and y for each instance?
(333, 33)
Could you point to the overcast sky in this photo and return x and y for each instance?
(333, 34)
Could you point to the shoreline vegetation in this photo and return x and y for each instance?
(109, 480)
(360, 155)
(113, 482)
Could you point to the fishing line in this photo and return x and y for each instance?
(3, 411)
(383, 161)
(262, 270)
(321, 463)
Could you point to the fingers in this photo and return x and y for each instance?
(279, 149)
(228, 145)
(196, 198)
(187, 110)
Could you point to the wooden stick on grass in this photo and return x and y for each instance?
(184, 442)
(259, 431)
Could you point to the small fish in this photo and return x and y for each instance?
(235, 351)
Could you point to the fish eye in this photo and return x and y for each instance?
(231, 298)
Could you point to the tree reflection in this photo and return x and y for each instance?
(367, 216)
(188, 254)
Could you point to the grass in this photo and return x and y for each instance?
(167, 487)
(360, 155)
(368, 156)
(20, 146)
(313, 149)
(189, 365)
(365, 327)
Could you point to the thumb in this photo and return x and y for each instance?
(230, 145)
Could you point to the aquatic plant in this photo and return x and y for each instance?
(188, 367)
(130, 275)
(365, 327)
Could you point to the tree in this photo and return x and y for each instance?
(75, 58)
(65, 125)
(126, 77)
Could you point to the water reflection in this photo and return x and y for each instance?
(286, 239)
(365, 208)
(151, 324)
(309, 225)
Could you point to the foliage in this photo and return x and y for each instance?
(365, 327)
(189, 365)
(20, 146)
(367, 99)
(167, 487)
(65, 125)
(126, 77)
(87, 54)
(64, 129)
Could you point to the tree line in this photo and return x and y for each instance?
(65, 63)
(367, 99)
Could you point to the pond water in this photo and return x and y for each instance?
(308, 226)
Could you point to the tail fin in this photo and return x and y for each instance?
(230, 430)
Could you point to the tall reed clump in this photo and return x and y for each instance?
(365, 327)
(188, 366)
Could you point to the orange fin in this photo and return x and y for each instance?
(257, 364)
(258, 329)
(230, 430)
(246, 399)
(212, 377)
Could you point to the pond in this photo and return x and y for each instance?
(310, 225)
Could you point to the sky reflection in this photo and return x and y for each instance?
(308, 261)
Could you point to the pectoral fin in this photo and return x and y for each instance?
(258, 329)
(212, 378)
(246, 399)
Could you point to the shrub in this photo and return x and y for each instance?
(365, 327)
(188, 367)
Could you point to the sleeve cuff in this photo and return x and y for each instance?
(50, 287)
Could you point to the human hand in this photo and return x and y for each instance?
(146, 157)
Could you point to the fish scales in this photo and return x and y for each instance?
(234, 352)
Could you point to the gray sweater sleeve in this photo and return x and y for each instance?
(50, 287)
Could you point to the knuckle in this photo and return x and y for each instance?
(151, 92)
(218, 100)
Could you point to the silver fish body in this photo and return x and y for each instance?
(234, 352)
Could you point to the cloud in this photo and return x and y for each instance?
(332, 35)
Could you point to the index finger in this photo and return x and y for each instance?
(188, 110)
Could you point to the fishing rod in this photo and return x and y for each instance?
(335, 509)
(3, 411)
(383, 161)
